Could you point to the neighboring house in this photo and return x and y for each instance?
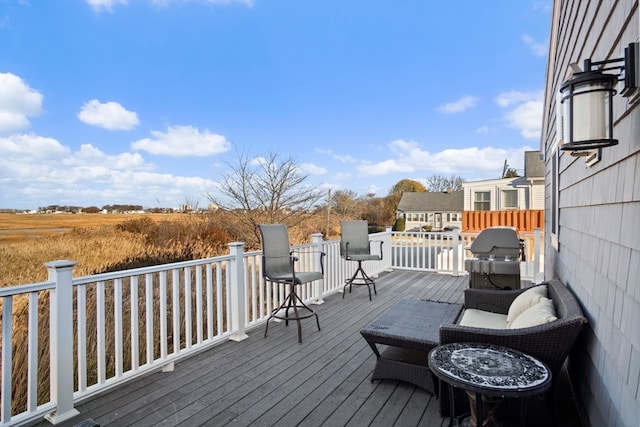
(431, 209)
(519, 193)
(448, 209)
(592, 221)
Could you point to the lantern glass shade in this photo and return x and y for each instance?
(587, 111)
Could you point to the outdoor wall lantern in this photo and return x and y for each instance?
(587, 100)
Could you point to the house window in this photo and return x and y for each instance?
(482, 201)
(510, 199)
(453, 217)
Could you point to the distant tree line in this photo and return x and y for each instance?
(90, 209)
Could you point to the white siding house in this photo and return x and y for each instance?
(501, 195)
(592, 218)
(430, 210)
(519, 193)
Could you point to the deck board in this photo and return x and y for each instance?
(275, 381)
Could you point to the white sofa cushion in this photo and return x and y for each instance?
(542, 312)
(483, 319)
(525, 300)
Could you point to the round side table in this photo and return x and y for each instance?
(491, 371)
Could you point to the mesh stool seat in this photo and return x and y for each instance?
(355, 246)
(278, 266)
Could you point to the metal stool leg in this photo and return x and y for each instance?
(292, 301)
(364, 279)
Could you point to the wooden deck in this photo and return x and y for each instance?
(275, 381)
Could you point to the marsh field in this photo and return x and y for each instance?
(103, 242)
(110, 242)
(98, 243)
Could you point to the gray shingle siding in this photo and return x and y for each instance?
(592, 243)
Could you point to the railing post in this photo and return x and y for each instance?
(318, 285)
(536, 255)
(237, 288)
(455, 243)
(387, 250)
(61, 341)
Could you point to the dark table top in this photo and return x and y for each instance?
(490, 369)
(411, 323)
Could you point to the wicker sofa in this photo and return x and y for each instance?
(549, 342)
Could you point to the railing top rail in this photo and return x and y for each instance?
(145, 270)
(23, 289)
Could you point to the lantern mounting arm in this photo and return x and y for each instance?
(628, 65)
(588, 65)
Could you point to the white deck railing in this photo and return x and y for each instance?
(446, 252)
(147, 318)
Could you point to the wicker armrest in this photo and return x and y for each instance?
(550, 342)
(495, 301)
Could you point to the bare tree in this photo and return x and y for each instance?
(375, 212)
(346, 204)
(437, 183)
(265, 190)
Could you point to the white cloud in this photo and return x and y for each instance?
(458, 106)
(16, 148)
(19, 102)
(105, 5)
(164, 3)
(91, 155)
(524, 111)
(539, 49)
(507, 99)
(38, 171)
(108, 115)
(482, 130)
(528, 118)
(409, 157)
(312, 169)
(182, 141)
(346, 158)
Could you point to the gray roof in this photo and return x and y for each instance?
(533, 165)
(431, 202)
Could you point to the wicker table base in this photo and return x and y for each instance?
(408, 330)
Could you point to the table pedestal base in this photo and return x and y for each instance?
(490, 411)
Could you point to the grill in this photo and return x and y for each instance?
(496, 261)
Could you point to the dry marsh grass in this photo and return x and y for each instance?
(98, 243)
(16, 228)
(102, 243)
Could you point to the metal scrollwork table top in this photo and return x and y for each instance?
(490, 369)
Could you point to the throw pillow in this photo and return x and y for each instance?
(525, 300)
(542, 312)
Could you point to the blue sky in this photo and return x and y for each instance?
(148, 101)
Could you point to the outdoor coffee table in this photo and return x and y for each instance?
(489, 371)
(409, 329)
